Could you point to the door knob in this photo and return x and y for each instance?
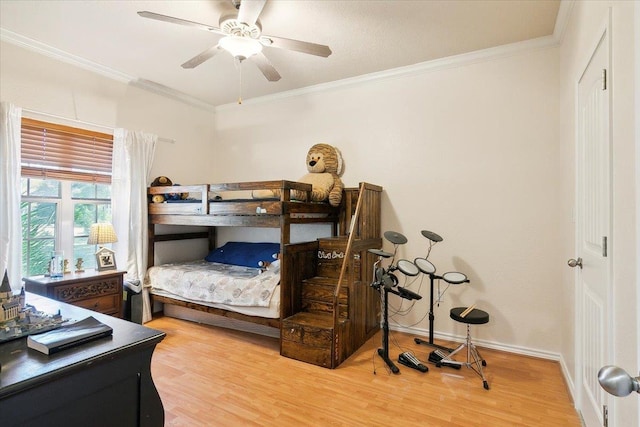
(575, 263)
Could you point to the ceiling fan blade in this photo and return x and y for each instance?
(297, 45)
(201, 57)
(173, 20)
(250, 11)
(265, 66)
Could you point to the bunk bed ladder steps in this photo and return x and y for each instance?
(309, 335)
(317, 296)
(334, 313)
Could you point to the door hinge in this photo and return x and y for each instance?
(605, 416)
(604, 79)
(604, 246)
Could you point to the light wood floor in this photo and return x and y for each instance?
(209, 376)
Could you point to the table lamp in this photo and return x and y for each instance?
(100, 234)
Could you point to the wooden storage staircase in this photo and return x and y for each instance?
(336, 310)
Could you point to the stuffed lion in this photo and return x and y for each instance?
(325, 166)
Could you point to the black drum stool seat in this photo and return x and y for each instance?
(474, 359)
(475, 316)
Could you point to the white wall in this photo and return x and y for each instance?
(39, 83)
(587, 18)
(469, 152)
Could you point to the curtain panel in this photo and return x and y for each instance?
(10, 217)
(133, 154)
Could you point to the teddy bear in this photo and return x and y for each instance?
(161, 181)
(325, 166)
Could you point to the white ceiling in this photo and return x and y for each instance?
(365, 36)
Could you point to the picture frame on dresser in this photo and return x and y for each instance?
(105, 259)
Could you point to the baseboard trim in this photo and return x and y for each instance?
(520, 350)
(524, 351)
(571, 388)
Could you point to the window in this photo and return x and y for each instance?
(66, 187)
(39, 219)
(91, 204)
(62, 152)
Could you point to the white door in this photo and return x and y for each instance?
(593, 231)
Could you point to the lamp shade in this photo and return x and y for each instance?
(102, 233)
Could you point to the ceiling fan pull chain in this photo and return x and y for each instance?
(240, 83)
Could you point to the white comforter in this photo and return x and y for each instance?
(216, 283)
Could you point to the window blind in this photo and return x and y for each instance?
(62, 152)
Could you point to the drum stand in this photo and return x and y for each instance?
(432, 317)
(384, 281)
(384, 351)
(388, 280)
(451, 278)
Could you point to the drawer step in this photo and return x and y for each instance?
(310, 337)
(317, 296)
(331, 253)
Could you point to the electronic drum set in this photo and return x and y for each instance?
(385, 281)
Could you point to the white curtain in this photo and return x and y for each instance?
(10, 222)
(132, 158)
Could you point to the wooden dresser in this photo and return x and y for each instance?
(99, 291)
(106, 382)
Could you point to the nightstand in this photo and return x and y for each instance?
(99, 291)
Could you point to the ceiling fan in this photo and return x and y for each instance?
(243, 38)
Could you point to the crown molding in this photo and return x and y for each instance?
(463, 59)
(52, 52)
(60, 55)
(562, 20)
(553, 40)
(166, 91)
(420, 68)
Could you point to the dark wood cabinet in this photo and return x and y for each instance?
(106, 382)
(99, 291)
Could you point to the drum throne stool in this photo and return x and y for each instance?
(469, 316)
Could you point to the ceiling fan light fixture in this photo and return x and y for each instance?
(241, 47)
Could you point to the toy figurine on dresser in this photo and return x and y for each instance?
(17, 318)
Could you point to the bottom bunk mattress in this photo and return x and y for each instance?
(244, 290)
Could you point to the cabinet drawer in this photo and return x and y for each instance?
(98, 291)
(291, 332)
(77, 292)
(307, 335)
(106, 304)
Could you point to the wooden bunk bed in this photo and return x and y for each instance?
(333, 292)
